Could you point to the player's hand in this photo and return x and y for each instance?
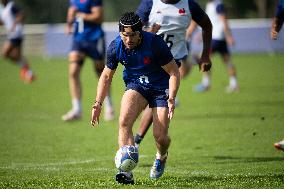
(230, 40)
(154, 28)
(80, 15)
(205, 64)
(96, 111)
(171, 105)
(69, 29)
(13, 28)
(273, 34)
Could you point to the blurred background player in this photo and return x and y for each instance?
(13, 17)
(151, 77)
(221, 38)
(170, 19)
(277, 23)
(88, 40)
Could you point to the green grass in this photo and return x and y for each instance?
(219, 140)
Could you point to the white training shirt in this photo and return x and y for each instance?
(174, 20)
(214, 15)
(8, 19)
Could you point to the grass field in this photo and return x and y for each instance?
(219, 140)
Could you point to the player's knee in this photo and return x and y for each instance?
(162, 139)
(124, 122)
(5, 54)
(74, 73)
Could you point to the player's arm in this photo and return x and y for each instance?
(202, 19)
(277, 22)
(104, 82)
(96, 15)
(172, 69)
(223, 16)
(70, 19)
(191, 28)
(228, 34)
(19, 16)
(102, 89)
(165, 59)
(143, 11)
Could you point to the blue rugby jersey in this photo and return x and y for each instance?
(280, 10)
(142, 65)
(86, 31)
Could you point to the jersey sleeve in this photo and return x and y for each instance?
(280, 10)
(72, 3)
(15, 9)
(197, 12)
(112, 61)
(144, 9)
(161, 51)
(220, 8)
(96, 3)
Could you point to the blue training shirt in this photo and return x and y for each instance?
(144, 9)
(83, 30)
(280, 10)
(142, 65)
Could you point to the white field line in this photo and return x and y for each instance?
(56, 165)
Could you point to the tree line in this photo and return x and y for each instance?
(54, 11)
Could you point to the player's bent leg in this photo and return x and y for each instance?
(160, 131)
(6, 49)
(132, 104)
(26, 74)
(145, 124)
(233, 83)
(184, 69)
(205, 83)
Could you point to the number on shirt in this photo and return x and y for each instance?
(143, 79)
(168, 39)
(80, 24)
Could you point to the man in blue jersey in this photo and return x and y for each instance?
(277, 23)
(221, 38)
(151, 77)
(84, 19)
(13, 17)
(170, 19)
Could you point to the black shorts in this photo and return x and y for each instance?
(219, 46)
